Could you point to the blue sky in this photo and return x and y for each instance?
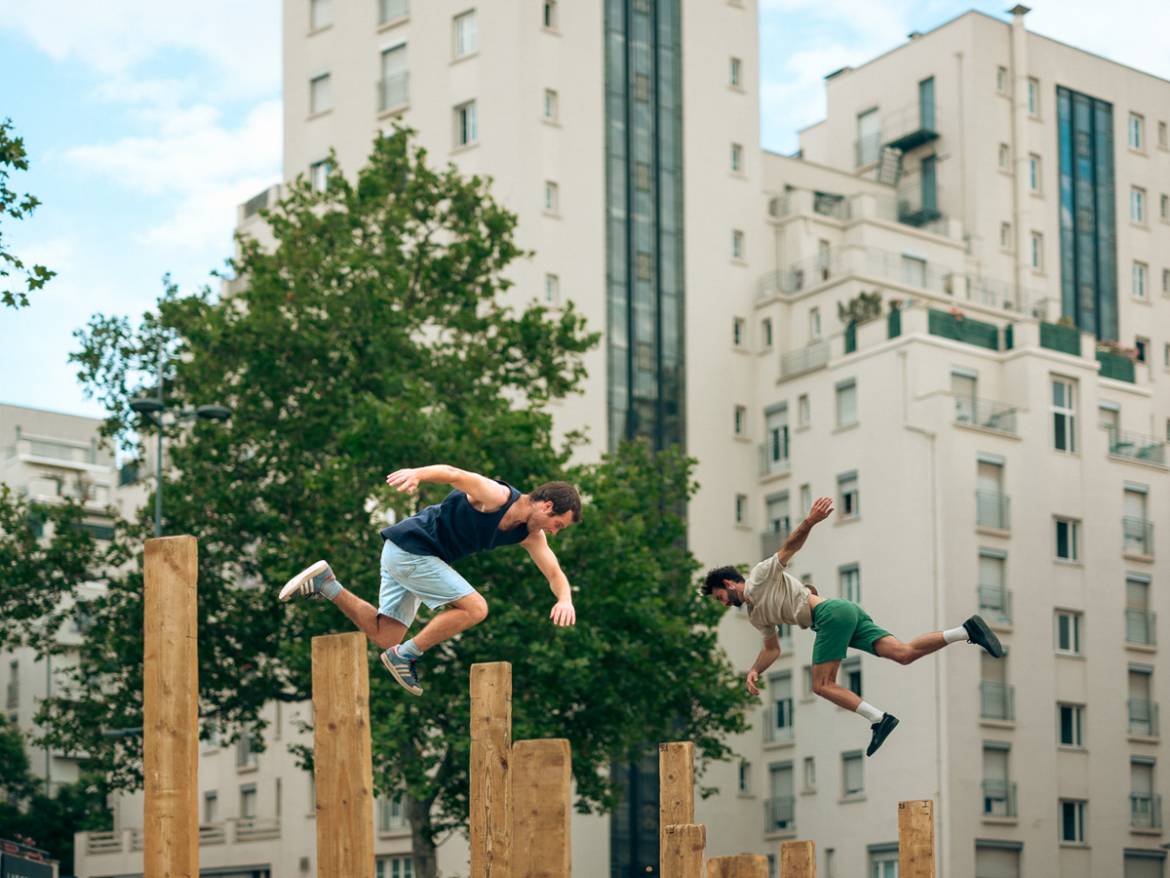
(147, 123)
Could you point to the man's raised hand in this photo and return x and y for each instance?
(563, 614)
(405, 480)
(821, 510)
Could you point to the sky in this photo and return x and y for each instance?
(146, 123)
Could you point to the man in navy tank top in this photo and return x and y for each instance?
(478, 515)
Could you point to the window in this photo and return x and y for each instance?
(391, 10)
(745, 777)
(1166, 355)
(780, 805)
(1067, 537)
(552, 197)
(393, 89)
(248, 801)
(210, 807)
(914, 271)
(846, 403)
(1033, 96)
(320, 14)
(1143, 806)
(810, 773)
(466, 34)
(993, 594)
(997, 859)
(848, 495)
(883, 862)
(1037, 241)
(1005, 157)
(1141, 279)
(1163, 137)
(851, 674)
(1144, 863)
(997, 798)
(1005, 236)
(805, 502)
(735, 73)
(466, 124)
(781, 719)
(740, 420)
(394, 867)
(1072, 821)
(319, 97)
(644, 266)
(766, 332)
(1164, 206)
(1137, 205)
(1001, 79)
(549, 15)
(776, 435)
(737, 328)
(814, 323)
(1137, 132)
(1064, 420)
(552, 290)
(642, 181)
(642, 88)
(869, 137)
(736, 244)
(737, 158)
(1034, 173)
(1070, 722)
(1068, 632)
(850, 579)
(804, 411)
(391, 814)
(853, 781)
(1135, 525)
(1143, 712)
(1142, 346)
(551, 106)
(741, 508)
(246, 753)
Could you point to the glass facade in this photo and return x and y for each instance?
(644, 213)
(1088, 222)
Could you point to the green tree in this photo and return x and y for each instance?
(16, 206)
(373, 333)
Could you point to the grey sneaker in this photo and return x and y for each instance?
(402, 669)
(308, 582)
(980, 634)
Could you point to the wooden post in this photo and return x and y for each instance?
(542, 773)
(676, 790)
(738, 866)
(491, 780)
(682, 850)
(170, 710)
(342, 759)
(798, 859)
(916, 839)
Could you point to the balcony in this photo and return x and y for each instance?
(999, 799)
(1116, 366)
(772, 540)
(1138, 535)
(771, 461)
(779, 814)
(394, 92)
(909, 127)
(1135, 446)
(959, 328)
(917, 207)
(1140, 627)
(985, 413)
(212, 834)
(1058, 337)
(1145, 811)
(995, 602)
(257, 829)
(804, 360)
(1143, 718)
(775, 733)
(799, 276)
(997, 701)
(97, 843)
(992, 510)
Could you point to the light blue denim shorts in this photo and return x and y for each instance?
(408, 579)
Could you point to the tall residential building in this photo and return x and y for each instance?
(947, 313)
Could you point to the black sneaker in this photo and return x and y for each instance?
(881, 731)
(981, 635)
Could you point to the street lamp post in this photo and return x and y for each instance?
(152, 409)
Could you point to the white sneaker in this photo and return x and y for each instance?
(308, 582)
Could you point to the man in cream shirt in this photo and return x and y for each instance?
(775, 597)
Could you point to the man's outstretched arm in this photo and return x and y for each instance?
(562, 613)
(483, 493)
(769, 654)
(821, 510)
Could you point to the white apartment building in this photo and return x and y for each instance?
(1005, 199)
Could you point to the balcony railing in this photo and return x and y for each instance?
(916, 208)
(776, 734)
(1145, 810)
(992, 509)
(257, 828)
(995, 602)
(1139, 535)
(1116, 366)
(985, 413)
(1057, 337)
(97, 843)
(779, 813)
(1143, 717)
(997, 701)
(393, 91)
(772, 540)
(1140, 626)
(999, 798)
(770, 464)
(212, 833)
(1135, 446)
(910, 126)
(807, 359)
(800, 276)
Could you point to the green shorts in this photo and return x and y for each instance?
(840, 624)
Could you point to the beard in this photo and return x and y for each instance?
(734, 599)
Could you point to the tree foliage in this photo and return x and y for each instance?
(16, 206)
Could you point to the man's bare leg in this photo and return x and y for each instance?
(904, 653)
(825, 685)
(459, 615)
(382, 630)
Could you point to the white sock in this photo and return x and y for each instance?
(870, 712)
(955, 635)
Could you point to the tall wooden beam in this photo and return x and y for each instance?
(676, 789)
(798, 859)
(738, 866)
(682, 850)
(542, 775)
(491, 778)
(342, 758)
(916, 839)
(170, 709)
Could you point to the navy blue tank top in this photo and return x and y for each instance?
(454, 529)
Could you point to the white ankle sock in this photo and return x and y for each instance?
(870, 712)
(955, 635)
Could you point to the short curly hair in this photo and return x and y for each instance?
(714, 578)
(564, 498)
